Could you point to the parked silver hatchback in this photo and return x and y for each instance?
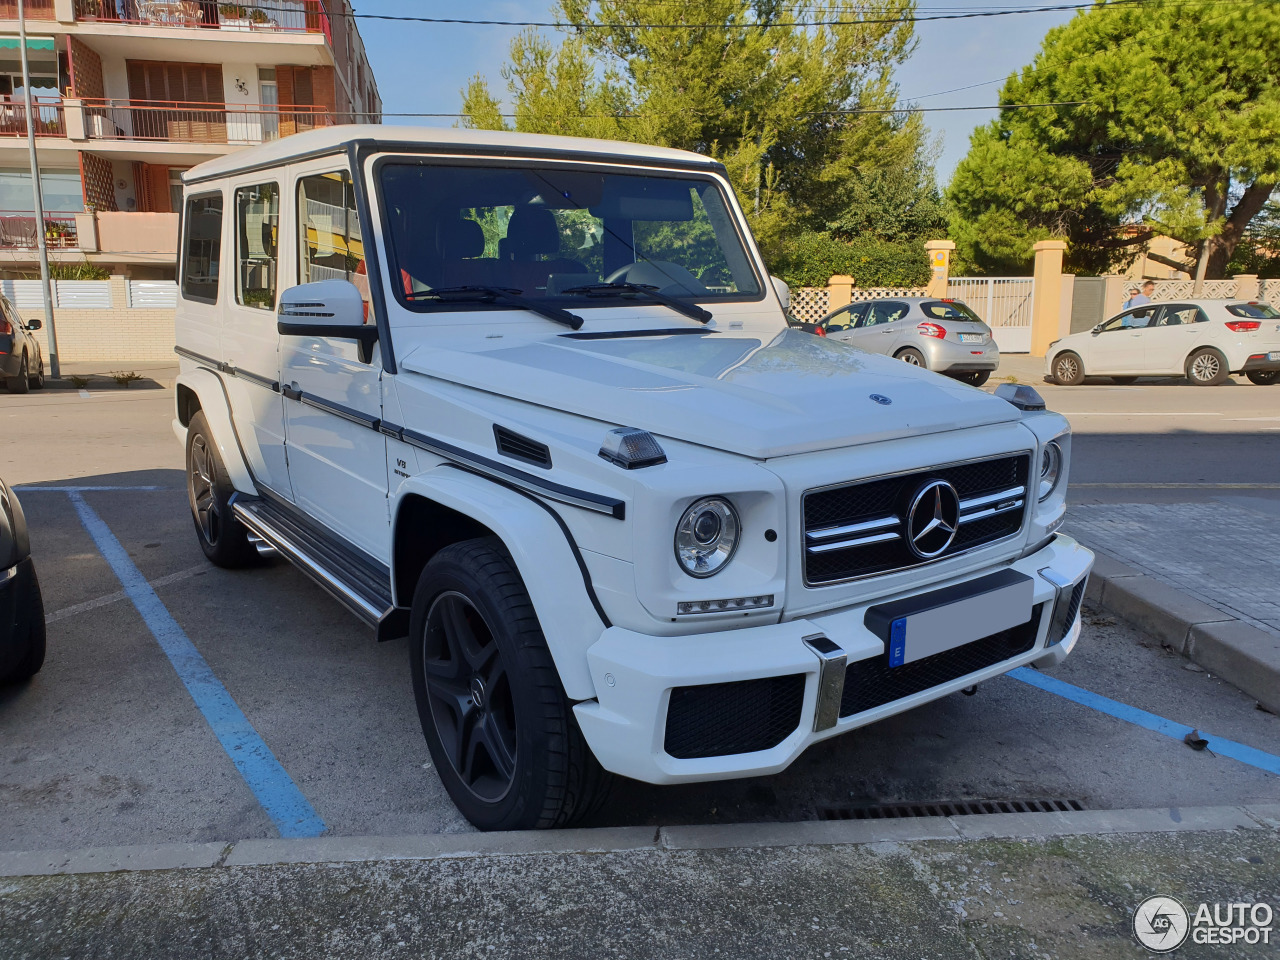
(941, 335)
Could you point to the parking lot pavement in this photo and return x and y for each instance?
(108, 746)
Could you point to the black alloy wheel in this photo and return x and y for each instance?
(222, 537)
(22, 382)
(37, 382)
(469, 695)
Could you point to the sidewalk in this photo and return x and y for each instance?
(1005, 885)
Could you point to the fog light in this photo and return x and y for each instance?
(724, 606)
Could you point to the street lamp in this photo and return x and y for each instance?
(39, 200)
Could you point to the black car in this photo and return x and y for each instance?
(21, 359)
(21, 607)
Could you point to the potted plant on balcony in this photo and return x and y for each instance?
(258, 20)
(233, 16)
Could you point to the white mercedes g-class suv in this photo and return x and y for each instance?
(532, 402)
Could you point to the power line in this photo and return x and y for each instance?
(814, 113)
(743, 25)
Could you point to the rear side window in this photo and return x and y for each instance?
(949, 310)
(202, 248)
(257, 236)
(884, 311)
(1254, 311)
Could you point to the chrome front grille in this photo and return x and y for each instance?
(860, 529)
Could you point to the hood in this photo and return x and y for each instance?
(743, 393)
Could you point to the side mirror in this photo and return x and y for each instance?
(34, 324)
(327, 308)
(783, 291)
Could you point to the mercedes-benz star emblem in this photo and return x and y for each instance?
(881, 399)
(933, 519)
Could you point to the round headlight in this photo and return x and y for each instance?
(1050, 468)
(707, 536)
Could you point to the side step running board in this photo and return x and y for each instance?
(357, 583)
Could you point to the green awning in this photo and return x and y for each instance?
(33, 43)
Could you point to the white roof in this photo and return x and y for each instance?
(290, 148)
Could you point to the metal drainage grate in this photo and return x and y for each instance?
(946, 808)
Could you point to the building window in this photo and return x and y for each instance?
(257, 237)
(59, 189)
(269, 97)
(175, 188)
(202, 249)
(329, 243)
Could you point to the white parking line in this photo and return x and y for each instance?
(85, 394)
(78, 608)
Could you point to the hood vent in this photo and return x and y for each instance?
(518, 447)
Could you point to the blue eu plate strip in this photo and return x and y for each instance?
(897, 642)
(279, 796)
(1122, 711)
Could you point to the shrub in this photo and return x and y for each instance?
(811, 259)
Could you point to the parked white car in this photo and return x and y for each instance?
(1204, 340)
(532, 402)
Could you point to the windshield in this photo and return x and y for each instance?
(1256, 311)
(547, 233)
(949, 310)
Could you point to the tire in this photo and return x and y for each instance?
(33, 659)
(500, 730)
(22, 382)
(1263, 378)
(37, 382)
(975, 379)
(223, 538)
(912, 356)
(1207, 368)
(1068, 369)
(1124, 381)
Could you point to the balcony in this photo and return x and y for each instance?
(50, 118)
(18, 230)
(290, 16)
(35, 10)
(239, 124)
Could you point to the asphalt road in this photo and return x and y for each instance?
(106, 746)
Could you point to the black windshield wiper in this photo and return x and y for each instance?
(506, 294)
(691, 310)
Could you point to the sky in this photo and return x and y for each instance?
(422, 68)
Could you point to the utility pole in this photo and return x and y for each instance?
(39, 199)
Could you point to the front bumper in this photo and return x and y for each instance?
(627, 725)
(946, 356)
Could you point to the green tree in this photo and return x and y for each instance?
(1176, 132)
(747, 86)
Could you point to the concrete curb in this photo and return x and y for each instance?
(1238, 652)
(256, 853)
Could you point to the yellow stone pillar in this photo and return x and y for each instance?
(1046, 300)
(939, 252)
(839, 292)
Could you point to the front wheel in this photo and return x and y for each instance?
(33, 656)
(37, 382)
(913, 356)
(222, 537)
(1068, 370)
(1263, 378)
(500, 730)
(1207, 368)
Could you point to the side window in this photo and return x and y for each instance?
(329, 244)
(885, 311)
(1134, 319)
(839, 321)
(257, 244)
(202, 248)
(1175, 315)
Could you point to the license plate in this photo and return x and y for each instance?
(922, 626)
(972, 337)
(1274, 355)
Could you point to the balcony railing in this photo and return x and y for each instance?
(295, 16)
(35, 10)
(18, 230)
(50, 121)
(199, 122)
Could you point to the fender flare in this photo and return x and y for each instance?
(547, 561)
(216, 406)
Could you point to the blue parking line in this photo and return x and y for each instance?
(1122, 711)
(279, 796)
